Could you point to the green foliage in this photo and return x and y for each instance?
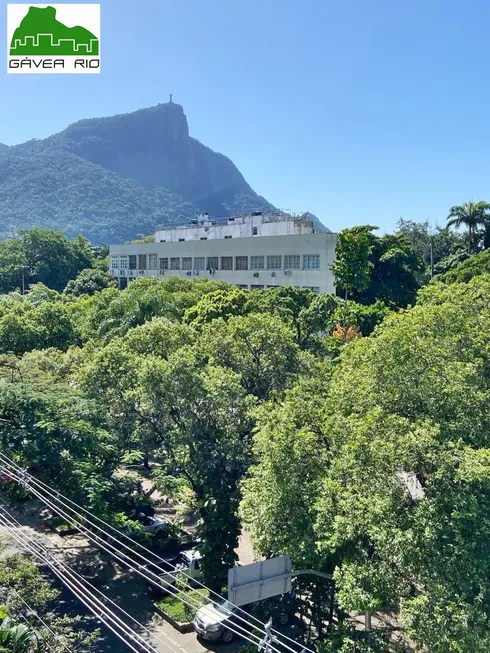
(281, 488)
(224, 303)
(471, 215)
(465, 271)
(42, 256)
(349, 640)
(181, 612)
(372, 268)
(260, 348)
(382, 473)
(448, 247)
(54, 189)
(26, 327)
(365, 317)
(88, 282)
(114, 313)
(352, 267)
(21, 583)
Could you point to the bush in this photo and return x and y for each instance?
(173, 606)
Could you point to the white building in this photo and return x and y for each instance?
(259, 250)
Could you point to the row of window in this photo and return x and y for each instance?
(272, 262)
(258, 287)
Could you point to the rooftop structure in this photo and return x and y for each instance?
(258, 223)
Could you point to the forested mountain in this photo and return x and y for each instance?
(56, 189)
(111, 179)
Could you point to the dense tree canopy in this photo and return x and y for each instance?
(351, 435)
(374, 268)
(395, 471)
(42, 256)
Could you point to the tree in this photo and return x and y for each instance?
(36, 324)
(114, 313)
(471, 215)
(395, 274)
(465, 271)
(438, 246)
(413, 403)
(260, 348)
(383, 472)
(280, 489)
(372, 268)
(89, 281)
(352, 265)
(45, 256)
(223, 303)
(190, 416)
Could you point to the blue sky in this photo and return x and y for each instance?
(360, 112)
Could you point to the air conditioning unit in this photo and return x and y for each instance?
(189, 273)
(196, 273)
(287, 273)
(256, 274)
(162, 272)
(273, 274)
(141, 271)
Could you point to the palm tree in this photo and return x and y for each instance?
(19, 638)
(471, 214)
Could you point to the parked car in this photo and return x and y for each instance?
(157, 526)
(213, 622)
(188, 563)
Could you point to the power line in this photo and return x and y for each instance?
(242, 632)
(45, 625)
(142, 570)
(83, 590)
(139, 568)
(46, 488)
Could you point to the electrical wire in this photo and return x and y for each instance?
(37, 633)
(139, 568)
(142, 570)
(39, 618)
(82, 589)
(241, 632)
(46, 488)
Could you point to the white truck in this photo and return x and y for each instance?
(188, 563)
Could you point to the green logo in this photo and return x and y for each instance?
(41, 34)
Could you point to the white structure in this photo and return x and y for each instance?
(259, 250)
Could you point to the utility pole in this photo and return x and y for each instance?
(22, 269)
(431, 256)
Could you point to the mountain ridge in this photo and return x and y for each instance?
(116, 177)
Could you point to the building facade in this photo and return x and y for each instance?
(254, 251)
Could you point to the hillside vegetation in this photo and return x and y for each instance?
(111, 179)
